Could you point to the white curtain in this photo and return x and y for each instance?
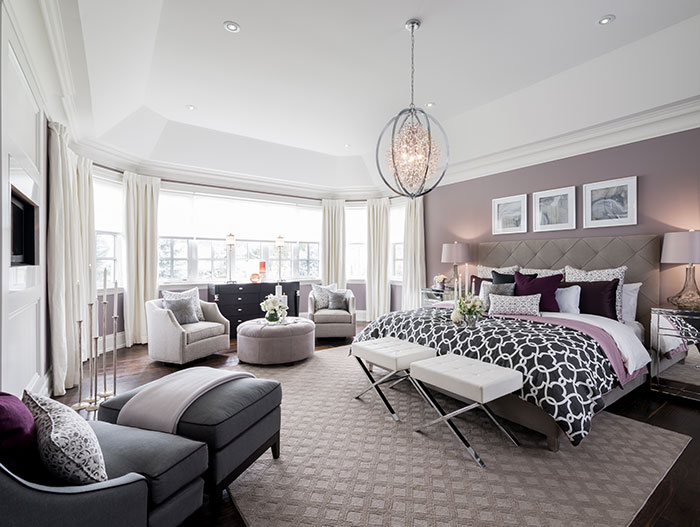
(333, 242)
(413, 255)
(377, 284)
(70, 249)
(141, 252)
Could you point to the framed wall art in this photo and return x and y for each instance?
(554, 210)
(610, 203)
(509, 215)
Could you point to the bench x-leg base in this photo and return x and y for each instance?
(375, 384)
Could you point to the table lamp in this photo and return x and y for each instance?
(455, 253)
(230, 244)
(684, 248)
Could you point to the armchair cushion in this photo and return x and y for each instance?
(320, 293)
(67, 445)
(333, 316)
(169, 462)
(190, 293)
(202, 330)
(337, 300)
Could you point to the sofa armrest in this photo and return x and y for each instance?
(166, 337)
(213, 314)
(350, 297)
(112, 503)
(312, 305)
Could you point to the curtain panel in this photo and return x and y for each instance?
(141, 253)
(413, 254)
(70, 248)
(333, 242)
(377, 283)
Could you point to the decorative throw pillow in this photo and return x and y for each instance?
(515, 305)
(542, 273)
(475, 283)
(600, 275)
(526, 285)
(568, 299)
(484, 271)
(487, 289)
(337, 300)
(67, 445)
(183, 309)
(17, 433)
(597, 298)
(504, 278)
(190, 293)
(630, 296)
(321, 294)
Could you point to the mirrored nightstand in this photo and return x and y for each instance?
(429, 296)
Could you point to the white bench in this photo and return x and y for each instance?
(391, 354)
(468, 379)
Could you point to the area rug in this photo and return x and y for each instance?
(345, 462)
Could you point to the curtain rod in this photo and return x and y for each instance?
(221, 187)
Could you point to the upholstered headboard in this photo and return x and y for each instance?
(641, 254)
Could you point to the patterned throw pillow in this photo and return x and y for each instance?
(515, 305)
(190, 293)
(542, 273)
(183, 309)
(67, 445)
(484, 271)
(321, 294)
(487, 289)
(600, 275)
(337, 300)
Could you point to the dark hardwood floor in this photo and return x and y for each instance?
(675, 502)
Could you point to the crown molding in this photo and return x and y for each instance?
(656, 122)
(120, 160)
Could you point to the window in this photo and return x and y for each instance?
(396, 228)
(109, 215)
(308, 259)
(107, 249)
(173, 259)
(356, 242)
(211, 259)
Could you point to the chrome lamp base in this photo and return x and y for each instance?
(689, 296)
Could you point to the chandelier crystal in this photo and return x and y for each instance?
(408, 150)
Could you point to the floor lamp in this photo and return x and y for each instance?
(456, 253)
(279, 243)
(230, 246)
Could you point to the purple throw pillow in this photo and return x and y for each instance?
(546, 286)
(597, 298)
(475, 282)
(17, 433)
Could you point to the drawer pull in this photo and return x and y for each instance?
(240, 289)
(239, 298)
(240, 309)
(239, 321)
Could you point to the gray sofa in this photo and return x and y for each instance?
(334, 322)
(170, 341)
(155, 480)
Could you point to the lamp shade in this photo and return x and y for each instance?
(279, 242)
(230, 239)
(455, 253)
(681, 248)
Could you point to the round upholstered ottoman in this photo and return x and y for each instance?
(259, 342)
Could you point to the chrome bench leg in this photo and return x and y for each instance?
(375, 384)
(503, 427)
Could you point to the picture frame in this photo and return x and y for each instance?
(509, 214)
(554, 210)
(610, 203)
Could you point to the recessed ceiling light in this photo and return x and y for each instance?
(430, 104)
(232, 26)
(191, 107)
(346, 145)
(606, 20)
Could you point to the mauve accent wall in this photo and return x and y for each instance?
(668, 197)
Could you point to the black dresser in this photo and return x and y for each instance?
(241, 302)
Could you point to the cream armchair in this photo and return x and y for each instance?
(334, 322)
(169, 341)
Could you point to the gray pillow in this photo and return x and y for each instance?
(67, 445)
(183, 309)
(337, 300)
(190, 293)
(487, 288)
(321, 294)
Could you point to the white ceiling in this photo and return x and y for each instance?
(316, 74)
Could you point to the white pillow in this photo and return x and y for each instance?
(515, 305)
(568, 299)
(630, 295)
(484, 271)
(541, 273)
(193, 294)
(600, 275)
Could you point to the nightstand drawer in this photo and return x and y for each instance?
(237, 299)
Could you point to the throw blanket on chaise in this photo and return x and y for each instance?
(566, 371)
(161, 403)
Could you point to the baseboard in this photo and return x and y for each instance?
(360, 316)
(41, 384)
(121, 342)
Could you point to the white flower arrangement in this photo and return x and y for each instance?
(469, 307)
(274, 308)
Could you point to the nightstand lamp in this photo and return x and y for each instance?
(684, 248)
(455, 253)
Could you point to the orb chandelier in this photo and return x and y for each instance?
(412, 151)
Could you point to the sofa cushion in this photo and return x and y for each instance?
(221, 414)
(202, 330)
(169, 462)
(329, 316)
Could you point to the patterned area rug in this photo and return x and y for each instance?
(345, 462)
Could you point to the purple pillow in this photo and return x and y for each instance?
(597, 298)
(476, 282)
(17, 433)
(546, 286)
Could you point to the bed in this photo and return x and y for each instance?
(570, 377)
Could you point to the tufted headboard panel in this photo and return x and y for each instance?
(641, 254)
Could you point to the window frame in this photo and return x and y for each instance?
(116, 259)
(394, 260)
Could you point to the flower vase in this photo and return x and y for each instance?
(472, 321)
(272, 316)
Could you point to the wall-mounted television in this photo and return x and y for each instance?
(24, 230)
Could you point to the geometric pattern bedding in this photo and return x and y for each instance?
(565, 371)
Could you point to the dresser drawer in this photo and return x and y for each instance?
(237, 299)
(236, 289)
(247, 311)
